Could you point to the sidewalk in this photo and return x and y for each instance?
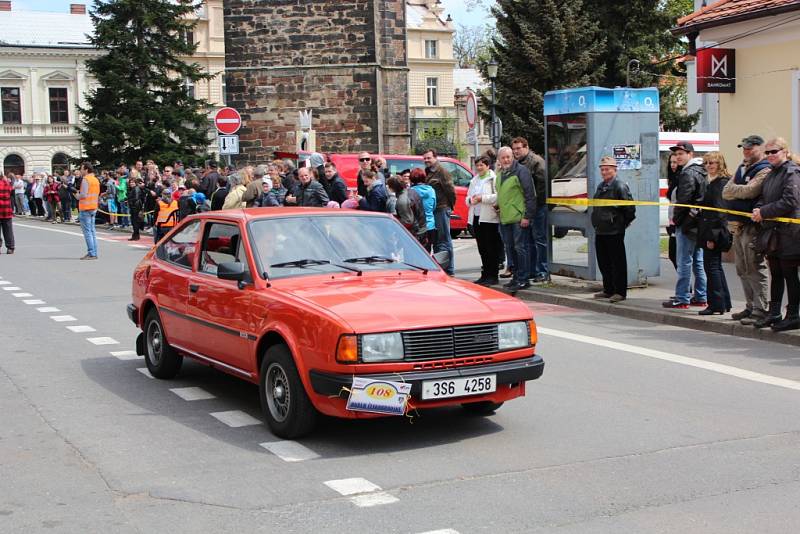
(644, 304)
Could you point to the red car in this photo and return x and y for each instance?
(329, 311)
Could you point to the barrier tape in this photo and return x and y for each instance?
(607, 202)
(124, 214)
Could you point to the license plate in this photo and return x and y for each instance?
(459, 387)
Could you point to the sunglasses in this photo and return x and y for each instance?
(772, 152)
(364, 159)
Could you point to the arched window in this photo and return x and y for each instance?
(60, 163)
(14, 163)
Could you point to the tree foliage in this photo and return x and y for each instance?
(471, 45)
(140, 107)
(541, 45)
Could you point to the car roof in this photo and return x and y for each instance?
(249, 214)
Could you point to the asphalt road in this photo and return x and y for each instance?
(634, 427)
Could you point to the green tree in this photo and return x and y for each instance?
(540, 45)
(141, 107)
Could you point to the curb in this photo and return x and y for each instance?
(725, 326)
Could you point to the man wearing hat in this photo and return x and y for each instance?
(692, 183)
(609, 224)
(741, 194)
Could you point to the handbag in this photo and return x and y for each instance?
(767, 240)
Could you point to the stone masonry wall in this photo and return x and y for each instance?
(284, 56)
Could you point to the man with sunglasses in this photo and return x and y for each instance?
(742, 193)
(364, 165)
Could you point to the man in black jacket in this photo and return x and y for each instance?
(441, 182)
(539, 272)
(609, 224)
(333, 184)
(136, 200)
(692, 183)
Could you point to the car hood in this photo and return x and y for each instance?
(383, 303)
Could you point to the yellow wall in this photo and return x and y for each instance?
(762, 103)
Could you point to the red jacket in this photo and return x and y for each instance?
(51, 192)
(6, 194)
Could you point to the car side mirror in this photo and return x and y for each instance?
(231, 270)
(442, 257)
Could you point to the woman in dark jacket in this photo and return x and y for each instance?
(780, 197)
(713, 235)
(673, 170)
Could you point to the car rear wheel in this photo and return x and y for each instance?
(481, 408)
(287, 408)
(161, 359)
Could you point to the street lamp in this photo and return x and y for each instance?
(491, 70)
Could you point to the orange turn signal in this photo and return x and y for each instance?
(347, 349)
(534, 334)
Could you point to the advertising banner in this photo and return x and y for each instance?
(716, 70)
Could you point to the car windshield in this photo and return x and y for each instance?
(297, 246)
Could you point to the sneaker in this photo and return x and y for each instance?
(754, 317)
(675, 305)
(601, 295)
(490, 282)
(513, 288)
(744, 314)
(480, 280)
(698, 303)
(616, 298)
(508, 284)
(88, 257)
(542, 279)
(9, 251)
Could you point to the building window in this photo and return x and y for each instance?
(431, 46)
(14, 164)
(59, 113)
(59, 163)
(432, 91)
(9, 100)
(189, 85)
(224, 92)
(187, 36)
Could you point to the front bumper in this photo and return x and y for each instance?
(133, 313)
(510, 372)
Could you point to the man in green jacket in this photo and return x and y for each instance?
(516, 200)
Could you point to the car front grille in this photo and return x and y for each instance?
(445, 343)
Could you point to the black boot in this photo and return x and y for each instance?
(772, 317)
(790, 322)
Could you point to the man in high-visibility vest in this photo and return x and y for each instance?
(167, 216)
(87, 208)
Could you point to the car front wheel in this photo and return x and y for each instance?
(161, 359)
(287, 408)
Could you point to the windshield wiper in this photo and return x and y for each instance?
(384, 259)
(300, 263)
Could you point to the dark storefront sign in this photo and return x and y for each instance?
(716, 70)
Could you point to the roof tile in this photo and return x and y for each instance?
(724, 9)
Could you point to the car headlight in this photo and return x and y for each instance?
(381, 347)
(513, 335)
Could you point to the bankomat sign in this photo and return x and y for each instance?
(716, 70)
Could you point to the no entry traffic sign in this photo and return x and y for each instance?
(228, 121)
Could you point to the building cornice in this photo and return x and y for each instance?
(28, 51)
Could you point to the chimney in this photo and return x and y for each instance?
(5, 5)
(75, 9)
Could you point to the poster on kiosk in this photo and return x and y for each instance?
(581, 126)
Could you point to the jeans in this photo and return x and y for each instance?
(538, 243)
(66, 209)
(719, 298)
(690, 260)
(122, 208)
(518, 253)
(441, 217)
(86, 218)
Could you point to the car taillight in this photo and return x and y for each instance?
(347, 349)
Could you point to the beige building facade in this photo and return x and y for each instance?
(766, 37)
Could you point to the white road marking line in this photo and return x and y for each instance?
(192, 394)
(34, 301)
(63, 232)
(125, 355)
(441, 531)
(674, 358)
(235, 418)
(140, 246)
(79, 329)
(12, 288)
(5, 283)
(46, 309)
(63, 318)
(21, 295)
(145, 372)
(290, 451)
(364, 493)
(102, 340)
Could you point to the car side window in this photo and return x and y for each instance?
(459, 174)
(396, 166)
(222, 244)
(180, 248)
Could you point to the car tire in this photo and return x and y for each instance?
(560, 232)
(481, 408)
(161, 359)
(286, 406)
(454, 234)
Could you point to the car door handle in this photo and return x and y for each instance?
(194, 288)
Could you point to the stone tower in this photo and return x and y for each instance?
(343, 59)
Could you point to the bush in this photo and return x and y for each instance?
(442, 146)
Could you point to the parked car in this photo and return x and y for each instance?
(304, 302)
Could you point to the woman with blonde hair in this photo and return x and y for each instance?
(236, 189)
(780, 241)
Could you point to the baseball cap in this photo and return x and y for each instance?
(751, 140)
(608, 161)
(682, 145)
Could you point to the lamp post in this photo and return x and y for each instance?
(491, 70)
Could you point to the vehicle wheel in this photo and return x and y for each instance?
(287, 408)
(481, 408)
(560, 231)
(454, 233)
(161, 359)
